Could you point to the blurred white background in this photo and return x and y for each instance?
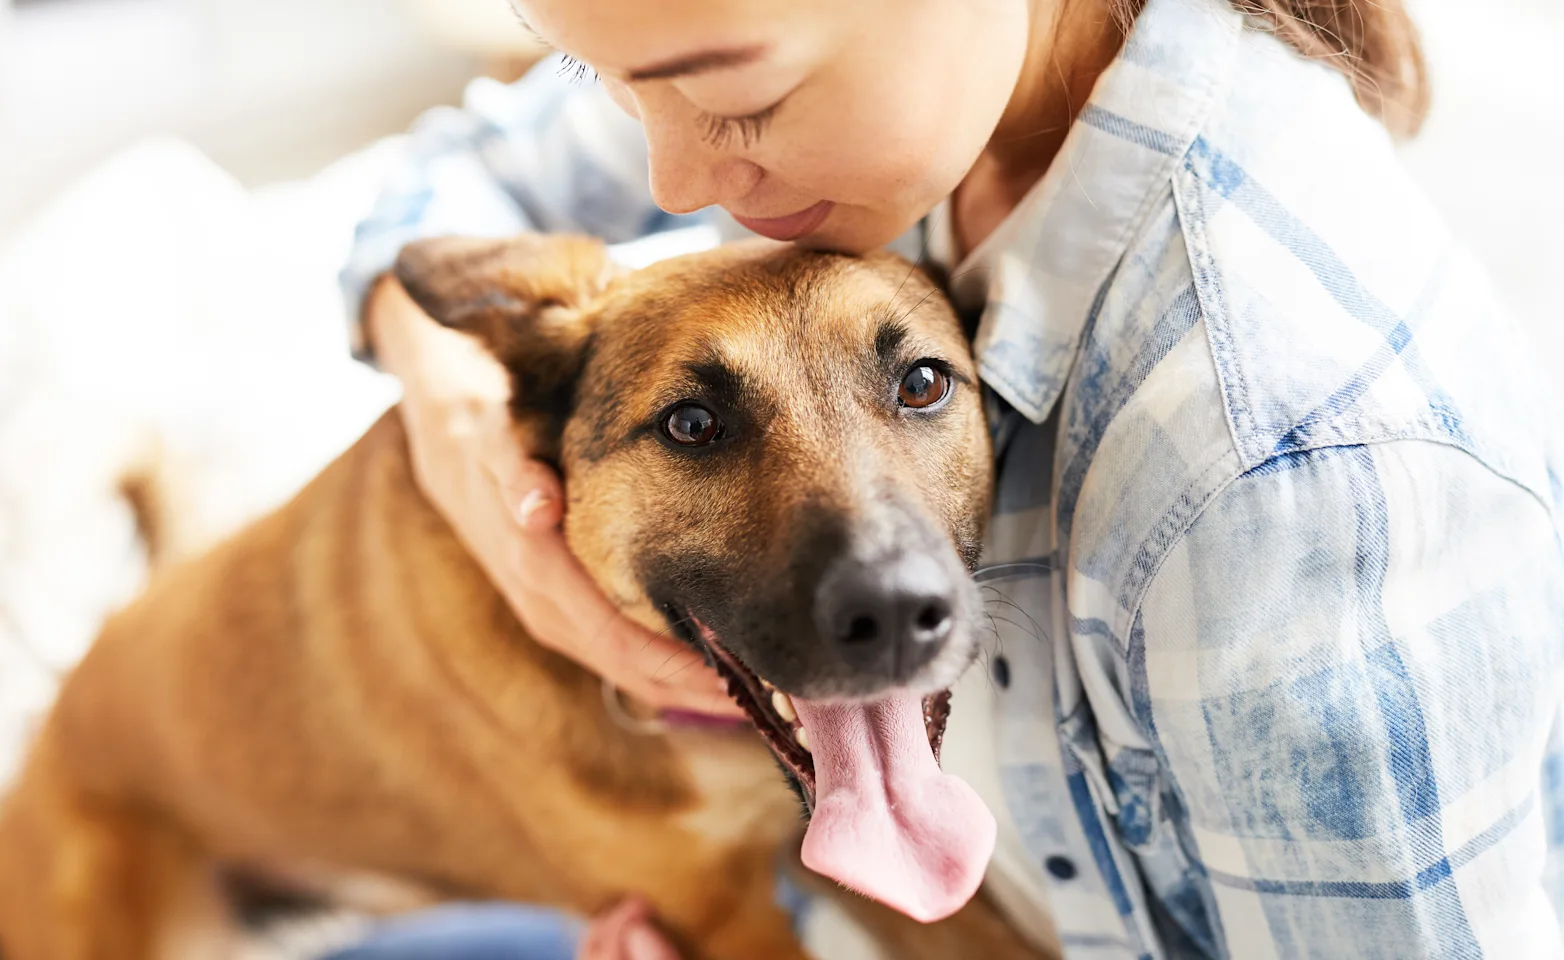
(1492, 154)
(269, 89)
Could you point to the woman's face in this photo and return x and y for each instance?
(837, 123)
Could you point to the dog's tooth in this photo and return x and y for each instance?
(802, 736)
(767, 684)
(783, 705)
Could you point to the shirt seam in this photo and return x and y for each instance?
(1387, 439)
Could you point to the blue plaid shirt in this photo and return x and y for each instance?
(1276, 577)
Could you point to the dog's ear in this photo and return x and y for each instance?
(516, 295)
(526, 298)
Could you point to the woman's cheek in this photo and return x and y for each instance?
(897, 154)
(915, 132)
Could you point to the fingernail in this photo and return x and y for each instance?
(530, 504)
(643, 943)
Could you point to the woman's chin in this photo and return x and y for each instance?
(855, 231)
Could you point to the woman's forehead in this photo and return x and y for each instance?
(649, 39)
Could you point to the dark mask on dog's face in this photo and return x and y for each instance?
(778, 454)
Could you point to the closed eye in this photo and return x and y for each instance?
(720, 131)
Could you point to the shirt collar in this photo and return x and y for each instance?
(1047, 263)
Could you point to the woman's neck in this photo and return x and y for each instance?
(1072, 43)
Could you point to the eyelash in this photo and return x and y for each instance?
(720, 131)
(574, 70)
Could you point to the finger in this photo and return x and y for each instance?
(530, 489)
(604, 939)
(630, 910)
(656, 669)
(659, 672)
(712, 701)
(643, 942)
(593, 945)
(670, 675)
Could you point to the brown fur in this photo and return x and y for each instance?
(339, 691)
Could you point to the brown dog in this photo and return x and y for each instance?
(779, 454)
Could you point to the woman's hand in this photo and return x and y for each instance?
(625, 933)
(506, 508)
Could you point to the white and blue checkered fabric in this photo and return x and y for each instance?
(1275, 576)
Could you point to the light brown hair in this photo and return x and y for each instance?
(1374, 43)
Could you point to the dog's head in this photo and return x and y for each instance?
(779, 454)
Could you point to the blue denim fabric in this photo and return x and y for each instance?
(471, 932)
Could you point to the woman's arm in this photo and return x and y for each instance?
(1351, 668)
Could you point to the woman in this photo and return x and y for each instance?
(1276, 517)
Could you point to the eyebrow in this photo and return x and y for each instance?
(890, 340)
(718, 381)
(702, 62)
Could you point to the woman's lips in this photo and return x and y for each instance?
(790, 227)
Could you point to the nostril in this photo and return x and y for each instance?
(862, 629)
(932, 620)
(888, 617)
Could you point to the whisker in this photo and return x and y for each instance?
(1037, 631)
(694, 660)
(910, 271)
(1018, 626)
(999, 570)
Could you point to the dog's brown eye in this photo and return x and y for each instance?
(692, 425)
(923, 386)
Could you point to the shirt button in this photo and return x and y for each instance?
(1001, 669)
(1061, 867)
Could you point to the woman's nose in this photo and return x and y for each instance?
(688, 173)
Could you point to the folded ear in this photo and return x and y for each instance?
(526, 298)
(510, 293)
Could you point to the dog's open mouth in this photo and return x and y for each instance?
(774, 714)
(884, 820)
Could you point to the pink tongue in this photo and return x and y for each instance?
(887, 822)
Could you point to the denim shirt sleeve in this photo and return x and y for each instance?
(547, 153)
(1349, 665)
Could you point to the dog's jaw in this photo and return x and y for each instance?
(883, 819)
(773, 714)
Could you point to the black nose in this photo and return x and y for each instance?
(889, 616)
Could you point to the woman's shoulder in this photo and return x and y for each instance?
(1259, 317)
(1251, 355)
(1339, 307)
(1288, 292)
